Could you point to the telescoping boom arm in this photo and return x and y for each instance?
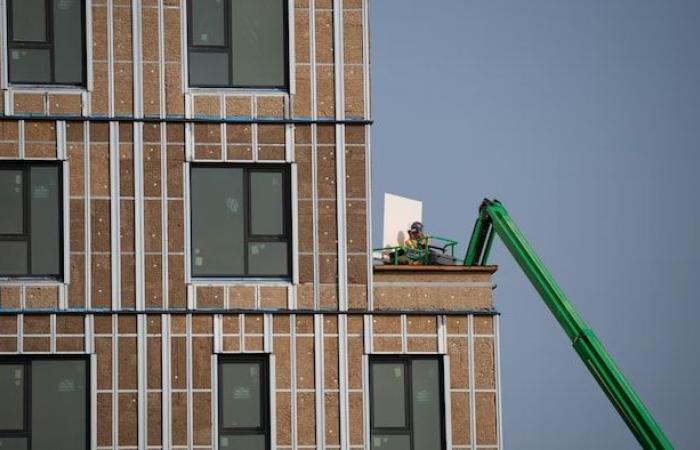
(494, 219)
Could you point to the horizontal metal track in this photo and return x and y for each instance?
(356, 312)
(181, 119)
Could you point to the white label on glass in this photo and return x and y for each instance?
(241, 393)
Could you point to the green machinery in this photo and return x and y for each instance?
(494, 219)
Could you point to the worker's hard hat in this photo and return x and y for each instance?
(416, 227)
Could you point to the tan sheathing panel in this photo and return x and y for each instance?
(432, 287)
(484, 363)
(461, 418)
(40, 140)
(29, 103)
(9, 138)
(65, 104)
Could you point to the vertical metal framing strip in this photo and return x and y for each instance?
(88, 232)
(115, 216)
(93, 401)
(314, 152)
(20, 128)
(142, 403)
(4, 57)
(447, 400)
(295, 225)
(497, 346)
(137, 46)
(166, 398)
(110, 57)
(214, 398)
(320, 381)
(164, 211)
(161, 59)
(366, 400)
(368, 148)
(88, 52)
(293, 377)
(273, 403)
(472, 395)
(52, 333)
(189, 374)
(115, 380)
(139, 216)
(291, 47)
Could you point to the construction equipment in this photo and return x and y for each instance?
(494, 219)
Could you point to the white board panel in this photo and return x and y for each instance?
(399, 214)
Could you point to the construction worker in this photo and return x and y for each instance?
(416, 245)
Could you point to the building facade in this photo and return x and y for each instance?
(185, 255)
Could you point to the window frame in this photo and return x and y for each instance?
(406, 360)
(48, 44)
(26, 236)
(263, 362)
(248, 236)
(228, 46)
(26, 361)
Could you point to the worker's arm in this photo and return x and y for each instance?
(493, 218)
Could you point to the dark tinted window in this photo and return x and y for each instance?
(31, 222)
(240, 221)
(406, 403)
(46, 43)
(243, 403)
(238, 43)
(45, 402)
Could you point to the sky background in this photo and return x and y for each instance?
(583, 118)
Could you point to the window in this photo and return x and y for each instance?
(238, 43)
(244, 416)
(240, 221)
(31, 220)
(45, 403)
(46, 41)
(406, 403)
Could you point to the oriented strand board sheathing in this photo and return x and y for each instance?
(34, 103)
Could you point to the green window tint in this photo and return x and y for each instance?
(251, 442)
(259, 42)
(30, 65)
(45, 198)
(11, 199)
(68, 41)
(45, 402)
(388, 395)
(268, 258)
(12, 394)
(238, 43)
(59, 409)
(406, 403)
(13, 258)
(244, 411)
(13, 443)
(31, 224)
(266, 203)
(208, 22)
(240, 221)
(391, 442)
(218, 215)
(209, 68)
(47, 42)
(241, 394)
(425, 389)
(28, 20)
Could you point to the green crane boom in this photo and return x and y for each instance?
(494, 219)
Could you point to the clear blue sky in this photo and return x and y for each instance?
(583, 117)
